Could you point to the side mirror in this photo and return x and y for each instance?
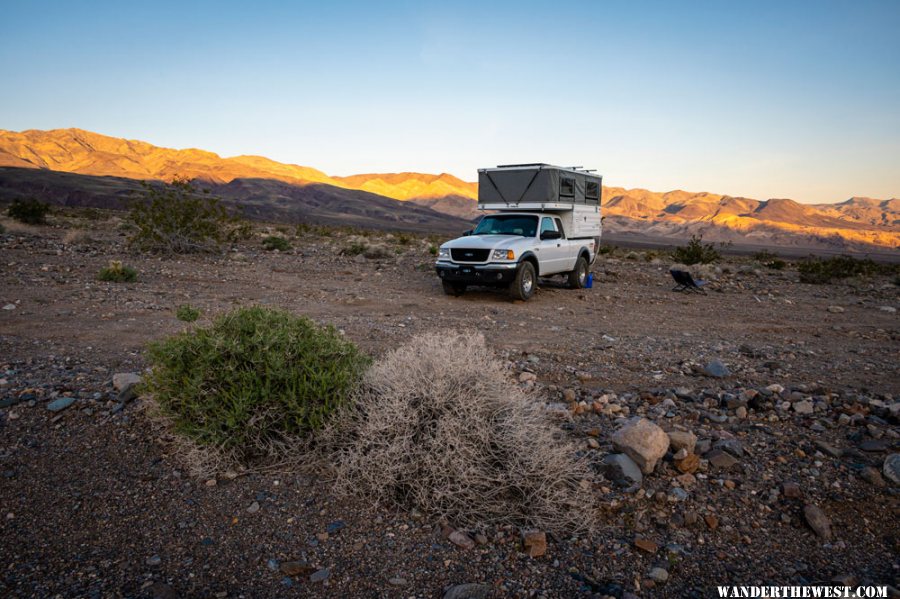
(467, 233)
(551, 235)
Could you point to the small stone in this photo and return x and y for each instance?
(818, 521)
(741, 412)
(468, 591)
(712, 521)
(689, 464)
(254, 507)
(680, 454)
(593, 443)
(160, 590)
(804, 407)
(891, 468)
(658, 575)
(527, 376)
(835, 309)
(791, 490)
(569, 395)
(682, 440)
(124, 380)
(9, 307)
(397, 582)
(622, 470)
(295, 568)
(461, 539)
(153, 560)
(58, 405)
(874, 445)
(646, 545)
(872, 476)
(534, 542)
(642, 441)
(829, 450)
(721, 459)
(716, 369)
(320, 575)
(888, 309)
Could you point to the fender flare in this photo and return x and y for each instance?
(531, 257)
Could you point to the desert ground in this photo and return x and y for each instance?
(93, 503)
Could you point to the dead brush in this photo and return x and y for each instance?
(439, 425)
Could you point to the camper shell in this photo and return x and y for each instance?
(574, 193)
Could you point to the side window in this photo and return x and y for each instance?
(567, 187)
(592, 191)
(560, 228)
(547, 224)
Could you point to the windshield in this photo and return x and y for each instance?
(507, 224)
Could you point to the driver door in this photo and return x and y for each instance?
(552, 252)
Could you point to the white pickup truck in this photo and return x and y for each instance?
(544, 221)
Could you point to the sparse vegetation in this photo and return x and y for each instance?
(433, 249)
(769, 260)
(606, 250)
(117, 272)
(252, 381)
(696, 252)
(187, 313)
(177, 218)
(30, 211)
(821, 271)
(404, 238)
(438, 425)
(354, 249)
(273, 242)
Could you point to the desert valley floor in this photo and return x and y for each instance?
(93, 504)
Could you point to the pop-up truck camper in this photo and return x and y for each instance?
(540, 220)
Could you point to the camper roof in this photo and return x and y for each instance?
(539, 166)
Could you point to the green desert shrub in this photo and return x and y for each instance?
(253, 381)
(769, 260)
(187, 313)
(606, 250)
(177, 218)
(117, 272)
(433, 250)
(696, 252)
(821, 271)
(354, 249)
(30, 211)
(273, 242)
(439, 425)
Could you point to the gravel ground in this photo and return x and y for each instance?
(92, 504)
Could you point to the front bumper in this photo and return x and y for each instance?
(477, 274)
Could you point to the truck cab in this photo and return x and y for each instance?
(541, 226)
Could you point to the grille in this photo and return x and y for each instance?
(467, 255)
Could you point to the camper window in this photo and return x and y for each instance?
(592, 190)
(566, 187)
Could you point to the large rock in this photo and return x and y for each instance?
(125, 380)
(682, 440)
(817, 521)
(622, 470)
(642, 441)
(891, 468)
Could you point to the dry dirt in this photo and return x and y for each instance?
(92, 504)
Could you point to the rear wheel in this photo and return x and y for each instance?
(525, 282)
(453, 288)
(578, 276)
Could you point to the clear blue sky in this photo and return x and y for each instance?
(761, 99)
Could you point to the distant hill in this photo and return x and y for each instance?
(442, 202)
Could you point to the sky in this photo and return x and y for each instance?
(786, 99)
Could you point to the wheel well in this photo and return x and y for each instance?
(586, 255)
(534, 263)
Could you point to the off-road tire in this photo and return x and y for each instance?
(451, 288)
(578, 276)
(525, 283)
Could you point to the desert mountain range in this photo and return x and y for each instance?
(109, 167)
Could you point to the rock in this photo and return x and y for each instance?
(829, 450)
(818, 521)
(716, 369)
(569, 395)
(741, 412)
(835, 309)
(712, 521)
(461, 539)
(888, 309)
(689, 464)
(153, 561)
(891, 468)
(646, 545)
(658, 575)
(622, 470)
(527, 376)
(320, 575)
(721, 459)
(872, 476)
(9, 307)
(791, 490)
(874, 445)
(732, 446)
(254, 507)
(469, 590)
(397, 582)
(58, 405)
(593, 443)
(296, 568)
(160, 590)
(682, 440)
(124, 380)
(534, 542)
(804, 407)
(643, 441)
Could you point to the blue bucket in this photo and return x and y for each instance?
(589, 282)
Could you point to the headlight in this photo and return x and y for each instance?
(503, 255)
(443, 253)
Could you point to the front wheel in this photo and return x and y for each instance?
(524, 284)
(453, 288)
(578, 276)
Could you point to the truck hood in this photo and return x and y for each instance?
(489, 242)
